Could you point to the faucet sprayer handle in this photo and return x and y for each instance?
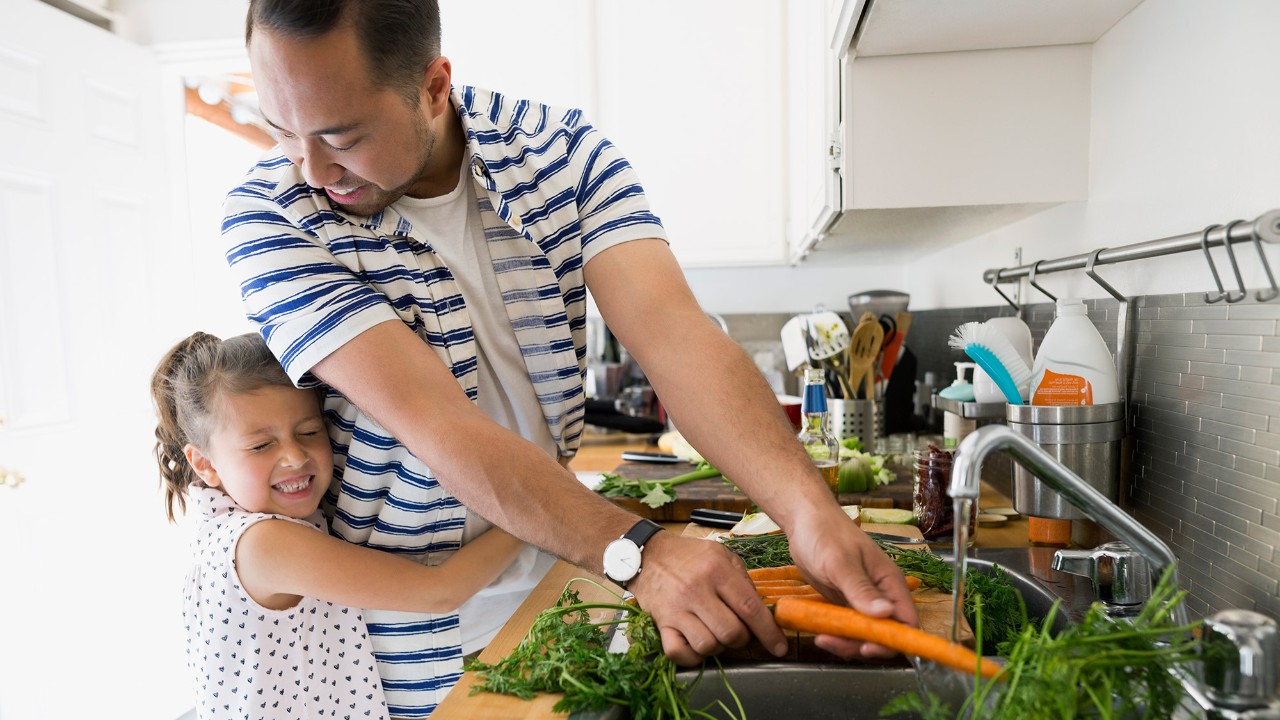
(1120, 575)
(1241, 654)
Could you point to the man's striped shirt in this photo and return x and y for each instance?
(552, 192)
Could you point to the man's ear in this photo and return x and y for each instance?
(202, 465)
(437, 81)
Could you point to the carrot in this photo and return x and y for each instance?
(786, 590)
(827, 619)
(777, 583)
(914, 583)
(785, 572)
(805, 596)
(771, 600)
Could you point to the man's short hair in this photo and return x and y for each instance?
(399, 38)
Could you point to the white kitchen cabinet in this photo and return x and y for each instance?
(956, 119)
(696, 98)
(814, 133)
(977, 127)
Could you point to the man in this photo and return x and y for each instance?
(422, 250)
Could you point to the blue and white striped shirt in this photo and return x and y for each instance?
(552, 192)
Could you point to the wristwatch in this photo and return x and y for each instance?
(622, 556)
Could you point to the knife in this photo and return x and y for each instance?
(715, 518)
(897, 539)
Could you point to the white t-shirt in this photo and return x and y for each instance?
(313, 660)
(450, 225)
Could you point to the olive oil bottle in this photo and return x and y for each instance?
(814, 433)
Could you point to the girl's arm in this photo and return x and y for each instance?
(280, 562)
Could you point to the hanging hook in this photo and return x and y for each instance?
(1204, 245)
(994, 286)
(1231, 256)
(1035, 268)
(1088, 270)
(1265, 295)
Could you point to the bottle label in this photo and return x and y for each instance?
(1060, 389)
(814, 400)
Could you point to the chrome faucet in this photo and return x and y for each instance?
(1240, 649)
(1121, 577)
(965, 478)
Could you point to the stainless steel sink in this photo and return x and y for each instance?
(848, 691)
(851, 691)
(824, 691)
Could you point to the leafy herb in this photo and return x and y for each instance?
(566, 652)
(654, 493)
(1103, 667)
(761, 551)
(1005, 612)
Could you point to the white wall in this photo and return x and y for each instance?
(1183, 135)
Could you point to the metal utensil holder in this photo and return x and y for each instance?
(1085, 438)
(863, 418)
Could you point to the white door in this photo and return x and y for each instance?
(90, 275)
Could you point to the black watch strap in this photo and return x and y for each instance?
(642, 531)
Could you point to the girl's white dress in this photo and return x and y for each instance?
(313, 660)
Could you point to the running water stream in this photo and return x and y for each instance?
(961, 525)
(951, 687)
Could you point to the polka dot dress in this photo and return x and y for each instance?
(313, 660)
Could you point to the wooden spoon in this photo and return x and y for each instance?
(864, 347)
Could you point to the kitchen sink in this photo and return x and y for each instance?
(848, 691)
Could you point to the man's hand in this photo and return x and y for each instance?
(701, 599)
(844, 564)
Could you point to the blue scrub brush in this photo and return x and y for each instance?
(993, 352)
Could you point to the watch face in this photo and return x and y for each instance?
(621, 560)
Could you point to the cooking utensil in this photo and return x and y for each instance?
(893, 346)
(896, 539)
(715, 518)
(650, 457)
(795, 346)
(828, 341)
(864, 348)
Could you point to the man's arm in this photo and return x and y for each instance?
(392, 376)
(724, 408)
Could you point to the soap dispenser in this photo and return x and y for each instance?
(954, 426)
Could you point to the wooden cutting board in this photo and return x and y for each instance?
(933, 607)
(717, 494)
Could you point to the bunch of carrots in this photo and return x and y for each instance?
(799, 606)
(787, 581)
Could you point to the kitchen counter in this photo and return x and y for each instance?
(603, 452)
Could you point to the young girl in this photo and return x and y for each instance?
(273, 625)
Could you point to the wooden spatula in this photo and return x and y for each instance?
(864, 347)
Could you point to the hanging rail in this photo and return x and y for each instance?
(1265, 228)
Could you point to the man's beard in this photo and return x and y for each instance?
(380, 199)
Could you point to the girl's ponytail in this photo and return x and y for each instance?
(167, 390)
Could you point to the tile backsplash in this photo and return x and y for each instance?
(1203, 465)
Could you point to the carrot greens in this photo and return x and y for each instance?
(566, 651)
(1103, 667)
